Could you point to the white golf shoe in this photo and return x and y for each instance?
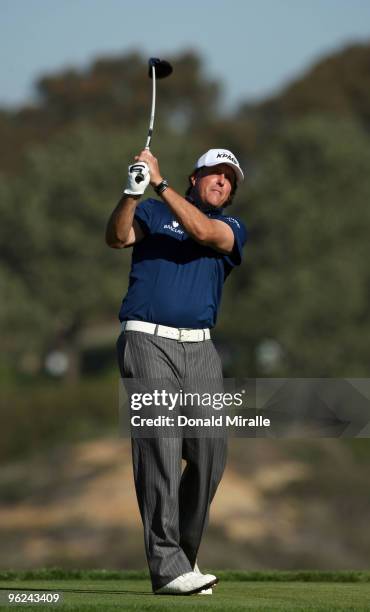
(208, 591)
(187, 584)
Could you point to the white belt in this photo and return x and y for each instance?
(175, 333)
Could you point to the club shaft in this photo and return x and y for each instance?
(152, 112)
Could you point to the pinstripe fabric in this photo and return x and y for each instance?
(174, 506)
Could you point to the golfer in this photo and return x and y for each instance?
(183, 250)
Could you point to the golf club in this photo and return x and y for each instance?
(158, 69)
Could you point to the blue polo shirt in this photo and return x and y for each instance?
(174, 280)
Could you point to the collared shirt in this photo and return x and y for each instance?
(174, 280)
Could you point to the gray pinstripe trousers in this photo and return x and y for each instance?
(174, 505)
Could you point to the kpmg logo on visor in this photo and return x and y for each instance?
(229, 157)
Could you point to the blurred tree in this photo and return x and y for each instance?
(57, 271)
(307, 281)
(57, 274)
(118, 89)
(111, 93)
(337, 85)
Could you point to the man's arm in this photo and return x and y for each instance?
(209, 232)
(122, 229)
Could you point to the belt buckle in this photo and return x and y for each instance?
(185, 333)
(182, 334)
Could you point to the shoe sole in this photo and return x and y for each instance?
(205, 592)
(208, 585)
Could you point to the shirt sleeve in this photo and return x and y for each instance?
(240, 235)
(144, 215)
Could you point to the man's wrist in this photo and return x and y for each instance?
(160, 187)
(131, 196)
(156, 182)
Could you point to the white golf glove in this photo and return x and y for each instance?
(138, 179)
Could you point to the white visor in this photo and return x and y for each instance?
(213, 157)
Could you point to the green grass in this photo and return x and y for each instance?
(257, 591)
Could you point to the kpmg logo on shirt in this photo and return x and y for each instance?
(233, 221)
(174, 227)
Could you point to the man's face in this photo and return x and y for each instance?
(214, 184)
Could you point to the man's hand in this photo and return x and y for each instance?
(155, 174)
(138, 170)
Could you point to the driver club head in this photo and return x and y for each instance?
(162, 68)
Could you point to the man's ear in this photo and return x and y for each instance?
(193, 179)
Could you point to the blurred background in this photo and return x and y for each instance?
(286, 86)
